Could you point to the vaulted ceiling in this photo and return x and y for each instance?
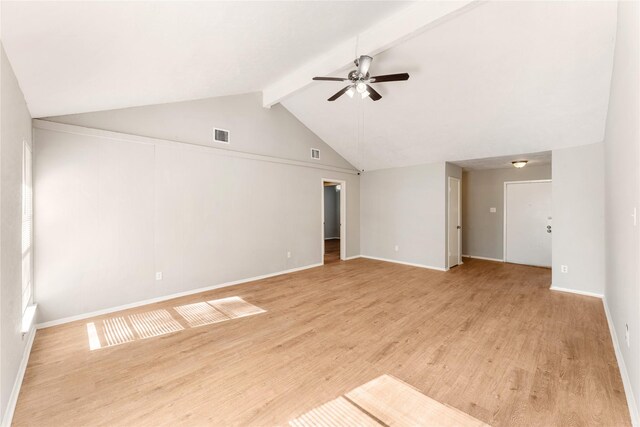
(488, 78)
(501, 78)
(80, 56)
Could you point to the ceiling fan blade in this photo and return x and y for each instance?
(364, 62)
(390, 78)
(339, 93)
(330, 79)
(373, 94)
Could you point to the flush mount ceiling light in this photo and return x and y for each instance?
(519, 163)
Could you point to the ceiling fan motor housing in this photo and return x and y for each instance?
(354, 76)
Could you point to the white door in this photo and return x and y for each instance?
(528, 223)
(454, 222)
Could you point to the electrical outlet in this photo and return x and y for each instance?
(158, 275)
(626, 335)
(492, 210)
(288, 254)
(396, 248)
(564, 269)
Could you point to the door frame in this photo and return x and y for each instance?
(458, 230)
(504, 210)
(343, 217)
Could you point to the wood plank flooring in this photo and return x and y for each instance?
(489, 339)
(331, 251)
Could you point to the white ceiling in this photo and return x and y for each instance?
(502, 78)
(73, 57)
(504, 162)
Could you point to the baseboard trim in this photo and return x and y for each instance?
(403, 263)
(168, 297)
(622, 367)
(483, 257)
(15, 392)
(574, 291)
(352, 257)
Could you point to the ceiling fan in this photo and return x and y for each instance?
(360, 79)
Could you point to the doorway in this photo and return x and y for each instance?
(333, 220)
(527, 222)
(455, 224)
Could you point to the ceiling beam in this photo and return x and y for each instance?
(400, 26)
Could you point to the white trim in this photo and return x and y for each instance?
(458, 230)
(403, 263)
(343, 217)
(504, 212)
(574, 291)
(13, 398)
(352, 257)
(483, 257)
(119, 136)
(168, 297)
(622, 367)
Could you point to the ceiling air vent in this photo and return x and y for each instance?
(315, 154)
(221, 135)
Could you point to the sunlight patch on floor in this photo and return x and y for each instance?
(117, 331)
(123, 329)
(94, 340)
(154, 323)
(200, 314)
(235, 307)
(386, 401)
(338, 412)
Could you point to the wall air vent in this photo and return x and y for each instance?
(315, 154)
(221, 135)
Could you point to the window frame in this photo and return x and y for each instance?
(27, 228)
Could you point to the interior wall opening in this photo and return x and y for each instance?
(506, 209)
(332, 221)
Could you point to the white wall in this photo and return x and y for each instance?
(404, 207)
(112, 212)
(254, 129)
(578, 218)
(622, 185)
(482, 230)
(15, 126)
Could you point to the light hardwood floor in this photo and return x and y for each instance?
(489, 339)
(331, 251)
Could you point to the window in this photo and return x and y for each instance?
(27, 228)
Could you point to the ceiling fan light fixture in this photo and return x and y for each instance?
(519, 163)
(359, 80)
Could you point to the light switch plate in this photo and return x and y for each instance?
(492, 210)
